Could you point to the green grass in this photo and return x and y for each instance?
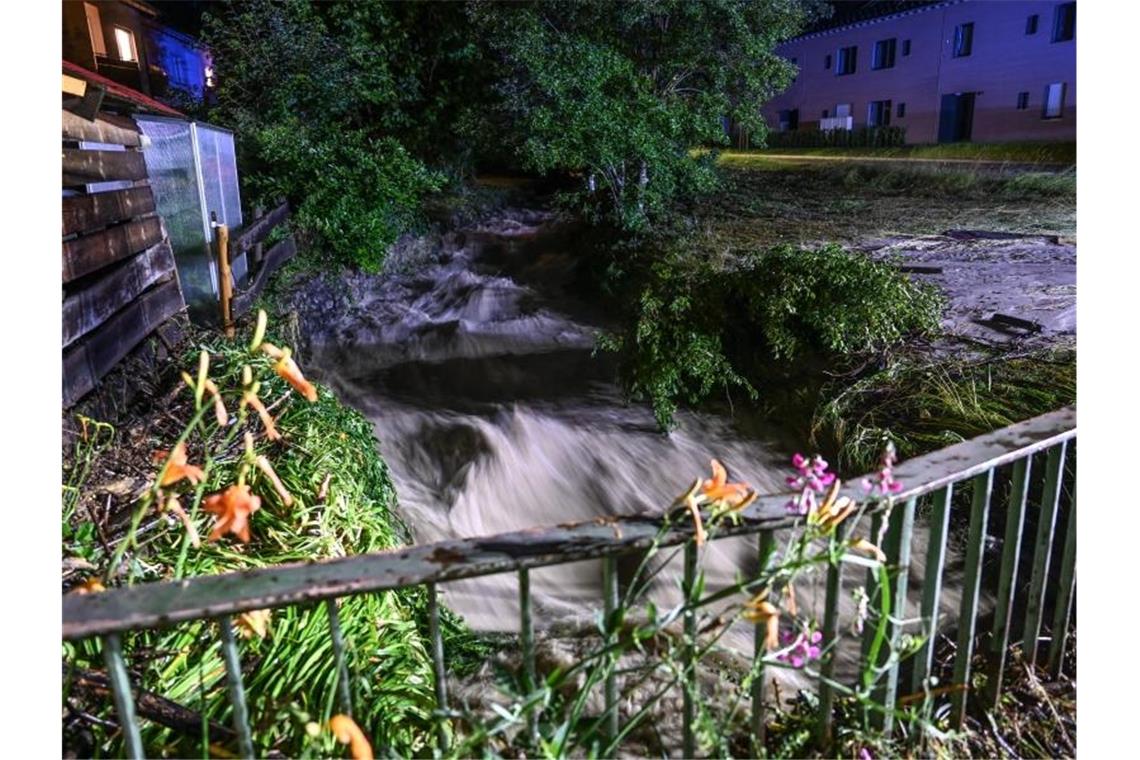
(926, 405)
(290, 676)
(1064, 153)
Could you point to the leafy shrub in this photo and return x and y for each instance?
(693, 327)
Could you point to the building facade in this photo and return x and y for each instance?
(960, 70)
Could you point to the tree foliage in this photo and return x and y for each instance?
(620, 93)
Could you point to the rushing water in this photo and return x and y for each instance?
(495, 414)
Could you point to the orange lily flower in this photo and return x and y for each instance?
(833, 510)
(760, 610)
(249, 398)
(253, 623)
(232, 507)
(264, 465)
(717, 489)
(347, 732)
(288, 369)
(177, 468)
(864, 546)
(175, 506)
(89, 586)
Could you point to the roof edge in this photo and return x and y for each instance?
(872, 21)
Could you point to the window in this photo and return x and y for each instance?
(125, 42)
(906, 48)
(827, 62)
(883, 56)
(789, 120)
(842, 110)
(1031, 24)
(879, 113)
(1064, 22)
(1022, 101)
(95, 29)
(209, 72)
(901, 110)
(846, 62)
(1054, 101)
(963, 40)
(826, 114)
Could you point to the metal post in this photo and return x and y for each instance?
(121, 690)
(689, 662)
(437, 665)
(610, 602)
(342, 683)
(766, 551)
(971, 586)
(829, 630)
(932, 585)
(526, 633)
(1064, 610)
(898, 542)
(1054, 473)
(1011, 554)
(235, 687)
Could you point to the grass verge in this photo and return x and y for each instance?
(1064, 153)
(343, 504)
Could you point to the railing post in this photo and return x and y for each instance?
(530, 678)
(1064, 609)
(121, 691)
(830, 630)
(437, 665)
(1007, 580)
(932, 586)
(689, 680)
(1054, 474)
(342, 682)
(899, 531)
(235, 687)
(766, 552)
(610, 603)
(971, 586)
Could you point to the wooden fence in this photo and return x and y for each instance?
(119, 280)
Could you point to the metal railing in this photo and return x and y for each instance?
(155, 605)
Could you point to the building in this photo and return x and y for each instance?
(125, 41)
(952, 71)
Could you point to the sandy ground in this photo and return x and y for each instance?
(983, 274)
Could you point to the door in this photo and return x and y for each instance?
(956, 117)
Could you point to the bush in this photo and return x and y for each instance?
(693, 327)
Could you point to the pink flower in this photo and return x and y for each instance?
(886, 485)
(811, 478)
(805, 647)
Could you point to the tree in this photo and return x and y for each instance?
(621, 93)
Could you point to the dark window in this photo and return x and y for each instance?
(1022, 101)
(901, 110)
(1064, 22)
(827, 62)
(883, 56)
(1054, 101)
(906, 47)
(825, 113)
(789, 120)
(1031, 24)
(846, 62)
(879, 113)
(794, 61)
(963, 40)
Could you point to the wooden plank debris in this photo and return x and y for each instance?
(257, 231)
(81, 167)
(103, 129)
(273, 260)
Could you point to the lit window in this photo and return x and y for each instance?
(1022, 101)
(125, 42)
(1064, 22)
(95, 29)
(1054, 101)
(963, 40)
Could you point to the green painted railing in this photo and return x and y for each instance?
(155, 605)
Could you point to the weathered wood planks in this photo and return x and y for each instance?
(277, 256)
(89, 253)
(101, 129)
(94, 356)
(257, 231)
(81, 167)
(90, 307)
(84, 213)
